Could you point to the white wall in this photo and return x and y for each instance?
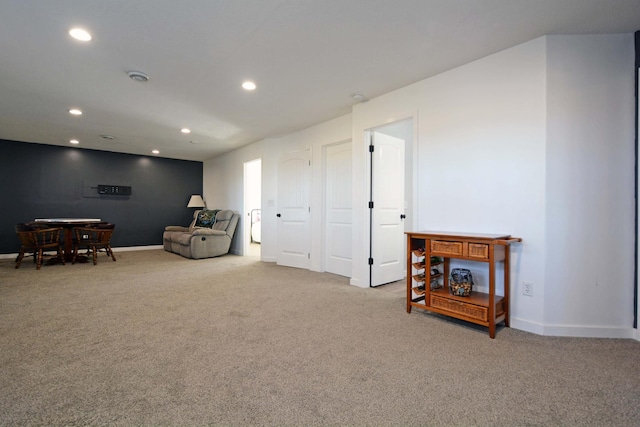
(483, 147)
(223, 185)
(480, 158)
(590, 186)
(487, 162)
(535, 141)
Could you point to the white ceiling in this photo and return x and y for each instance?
(306, 56)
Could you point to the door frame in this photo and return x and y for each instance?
(411, 151)
(364, 117)
(246, 220)
(636, 292)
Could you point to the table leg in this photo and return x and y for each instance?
(68, 244)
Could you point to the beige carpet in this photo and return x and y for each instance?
(156, 339)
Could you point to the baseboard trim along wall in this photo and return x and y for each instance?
(576, 331)
(138, 248)
(589, 331)
(123, 249)
(527, 326)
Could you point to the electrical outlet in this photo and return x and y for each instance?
(527, 289)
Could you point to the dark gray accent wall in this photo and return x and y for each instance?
(45, 181)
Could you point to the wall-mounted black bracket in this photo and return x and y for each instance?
(114, 190)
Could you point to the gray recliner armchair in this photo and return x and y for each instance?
(205, 237)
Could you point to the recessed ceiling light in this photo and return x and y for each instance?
(249, 85)
(138, 76)
(74, 141)
(155, 151)
(75, 112)
(80, 34)
(185, 130)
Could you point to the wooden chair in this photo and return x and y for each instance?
(38, 240)
(93, 239)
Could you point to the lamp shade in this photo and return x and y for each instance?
(196, 201)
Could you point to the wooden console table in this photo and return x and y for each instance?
(486, 309)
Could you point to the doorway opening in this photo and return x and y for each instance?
(390, 199)
(251, 225)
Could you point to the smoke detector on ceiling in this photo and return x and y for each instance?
(138, 76)
(359, 97)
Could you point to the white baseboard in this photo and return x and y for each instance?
(577, 331)
(122, 249)
(589, 331)
(358, 283)
(138, 248)
(526, 325)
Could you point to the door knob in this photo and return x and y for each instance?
(402, 216)
(278, 215)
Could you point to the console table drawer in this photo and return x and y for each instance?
(468, 310)
(478, 250)
(447, 248)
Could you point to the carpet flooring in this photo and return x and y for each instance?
(155, 339)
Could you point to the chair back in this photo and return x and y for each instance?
(22, 230)
(99, 234)
(23, 226)
(38, 238)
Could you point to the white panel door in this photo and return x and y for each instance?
(294, 187)
(387, 231)
(338, 209)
